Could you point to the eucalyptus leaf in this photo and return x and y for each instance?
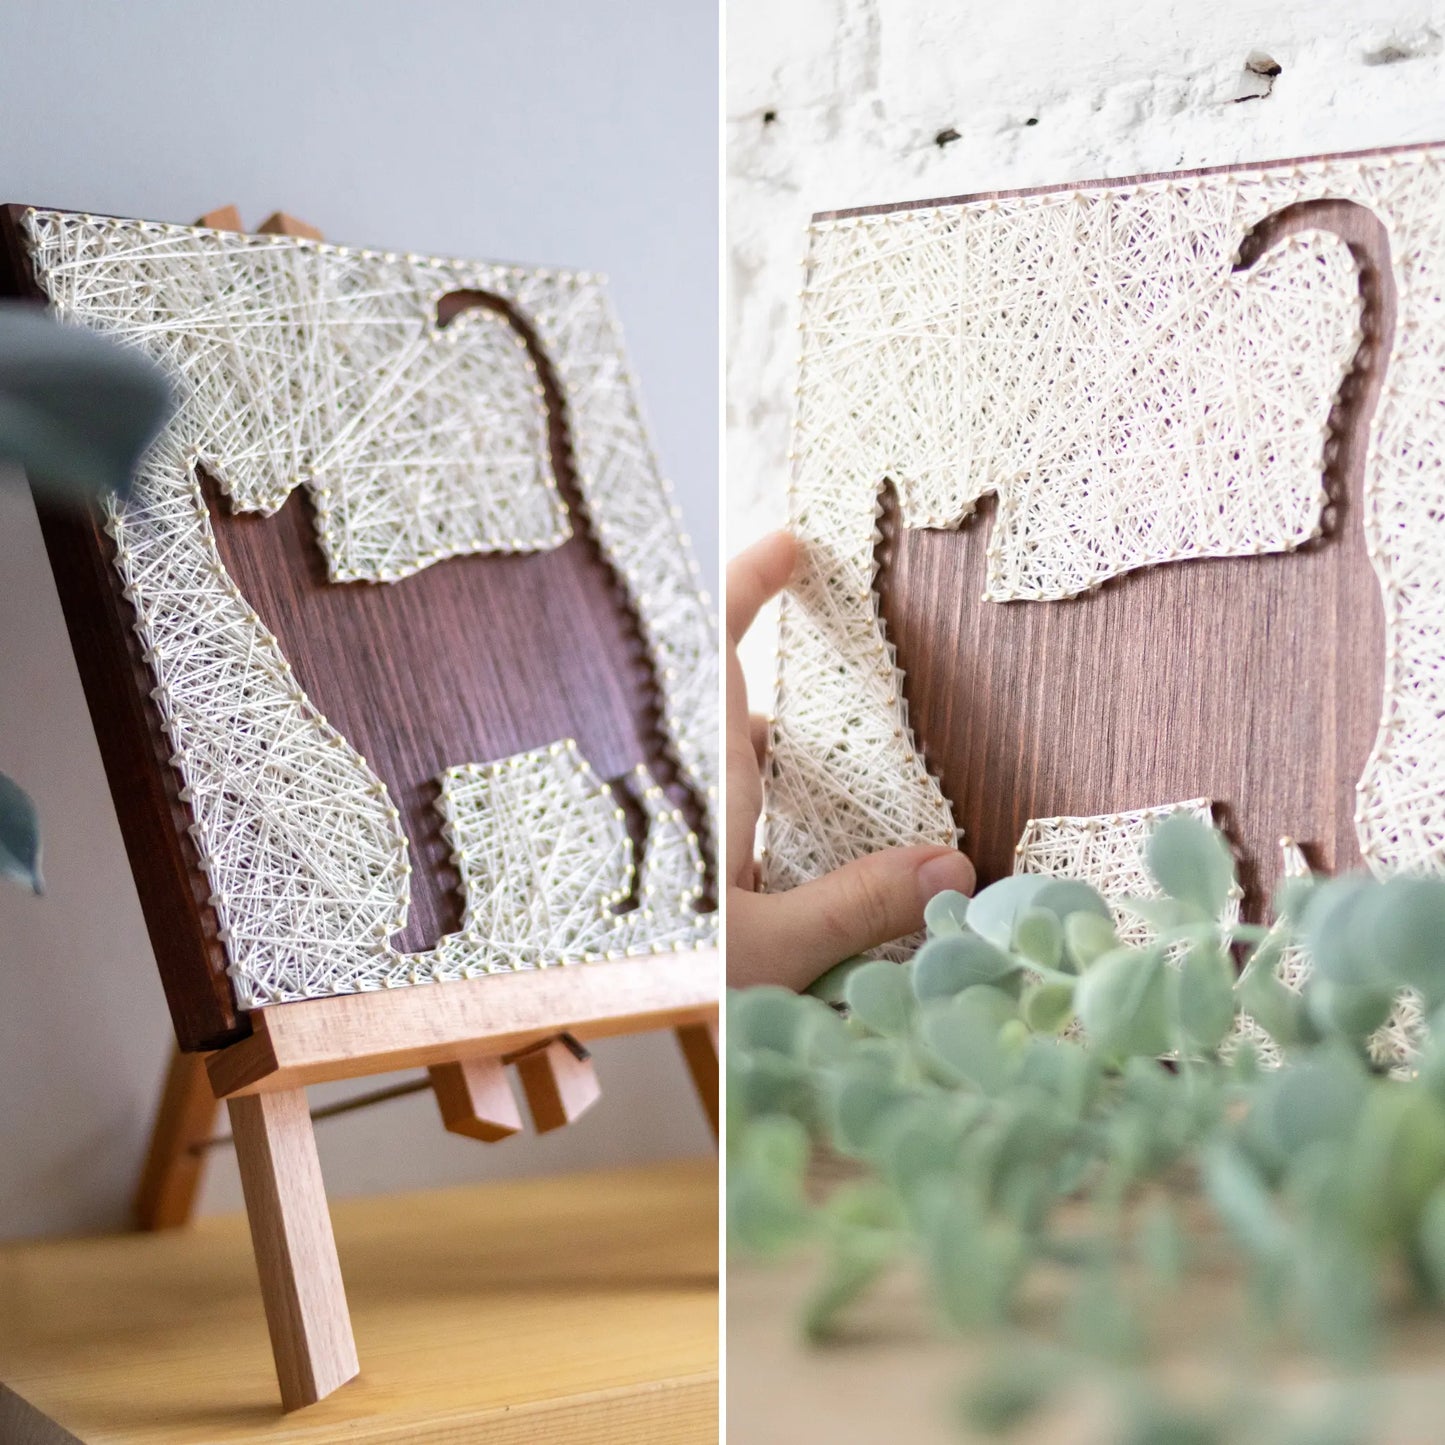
(1430, 1241)
(1192, 863)
(1088, 938)
(832, 986)
(862, 1103)
(77, 409)
(1068, 898)
(993, 911)
(1009, 1393)
(19, 836)
(766, 1018)
(880, 997)
(1123, 1002)
(1408, 929)
(946, 913)
(1047, 1007)
(854, 1259)
(1338, 950)
(1039, 936)
(947, 965)
(1243, 1202)
(1206, 996)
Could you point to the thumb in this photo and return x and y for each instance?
(791, 938)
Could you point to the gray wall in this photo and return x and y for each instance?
(572, 133)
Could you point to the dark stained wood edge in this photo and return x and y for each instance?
(1121, 182)
(174, 893)
(662, 758)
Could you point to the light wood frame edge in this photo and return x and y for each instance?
(351, 1035)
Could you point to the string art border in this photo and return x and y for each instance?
(300, 363)
(1092, 358)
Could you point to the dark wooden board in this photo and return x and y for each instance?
(469, 660)
(1253, 681)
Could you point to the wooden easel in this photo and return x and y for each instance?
(465, 1034)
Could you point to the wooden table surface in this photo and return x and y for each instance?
(575, 1308)
(891, 1376)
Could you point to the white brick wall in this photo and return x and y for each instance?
(1039, 91)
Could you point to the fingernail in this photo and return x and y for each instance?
(947, 870)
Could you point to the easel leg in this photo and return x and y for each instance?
(295, 1248)
(185, 1118)
(699, 1048)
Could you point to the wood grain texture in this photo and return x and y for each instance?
(185, 1119)
(559, 1082)
(144, 787)
(470, 660)
(698, 1043)
(1253, 681)
(291, 1234)
(372, 1033)
(577, 1308)
(475, 1098)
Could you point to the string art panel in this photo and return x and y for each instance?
(439, 417)
(1116, 496)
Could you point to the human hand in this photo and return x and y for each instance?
(792, 938)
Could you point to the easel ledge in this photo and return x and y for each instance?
(296, 1044)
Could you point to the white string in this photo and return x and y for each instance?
(1094, 359)
(299, 363)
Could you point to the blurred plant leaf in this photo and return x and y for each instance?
(1191, 862)
(1039, 936)
(947, 965)
(1206, 996)
(880, 997)
(77, 409)
(19, 836)
(946, 913)
(993, 911)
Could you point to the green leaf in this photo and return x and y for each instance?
(1039, 936)
(1005, 1396)
(1161, 1244)
(994, 910)
(1088, 938)
(1243, 1203)
(777, 1145)
(766, 1212)
(861, 1106)
(1099, 1319)
(1068, 898)
(765, 1018)
(1206, 997)
(860, 1229)
(1430, 1241)
(1047, 1007)
(1317, 1099)
(19, 836)
(1157, 1423)
(963, 1034)
(1338, 950)
(946, 913)
(1397, 1158)
(832, 987)
(76, 409)
(1123, 1002)
(1409, 934)
(1192, 863)
(880, 997)
(1351, 1011)
(946, 966)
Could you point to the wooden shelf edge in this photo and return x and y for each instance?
(351, 1035)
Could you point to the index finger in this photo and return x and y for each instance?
(756, 574)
